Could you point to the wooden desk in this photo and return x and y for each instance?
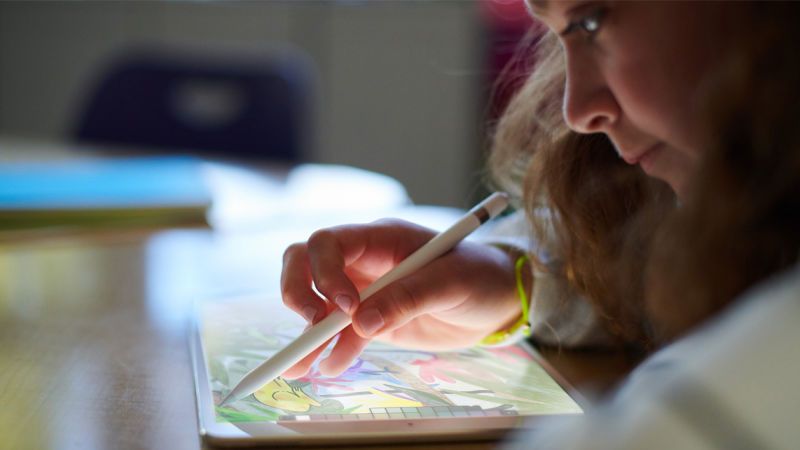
(93, 335)
(93, 329)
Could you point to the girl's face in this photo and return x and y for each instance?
(633, 72)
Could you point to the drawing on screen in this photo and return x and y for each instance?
(384, 383)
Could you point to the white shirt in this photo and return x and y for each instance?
(732, 384)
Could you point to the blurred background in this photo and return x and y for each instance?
(158, 153)
(401, 88)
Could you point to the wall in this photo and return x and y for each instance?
(398, 88)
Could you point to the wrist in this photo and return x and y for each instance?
(519, 324)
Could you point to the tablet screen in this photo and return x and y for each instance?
(385, 382)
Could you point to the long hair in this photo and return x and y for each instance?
(740, 222)
(650, 269)
(593, 197)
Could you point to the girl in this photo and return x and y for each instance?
(655, 154)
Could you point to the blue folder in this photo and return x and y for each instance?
(159, 191)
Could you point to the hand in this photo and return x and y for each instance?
(454, 301)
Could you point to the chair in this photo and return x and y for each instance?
(243, 105)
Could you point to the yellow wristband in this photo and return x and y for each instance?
(523, 324)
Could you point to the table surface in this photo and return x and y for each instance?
(93, 341)
(93, 333)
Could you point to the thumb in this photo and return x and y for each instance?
(423, 292)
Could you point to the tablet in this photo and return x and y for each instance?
(389, 394)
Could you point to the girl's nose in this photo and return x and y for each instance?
(589, 105)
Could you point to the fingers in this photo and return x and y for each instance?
(337, 262)
(431, 290)
(341, 260)
(326, 258)
(296, 285)
(346, 350)
(340, 256)
(323, 260)
(301, 368)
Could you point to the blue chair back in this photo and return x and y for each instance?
(251, 106)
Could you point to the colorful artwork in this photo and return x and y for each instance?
(386, 382)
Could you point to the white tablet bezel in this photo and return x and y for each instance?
(341, 432)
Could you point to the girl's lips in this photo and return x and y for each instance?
(647, 159)
(639, 157)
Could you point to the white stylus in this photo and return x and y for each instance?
(338, 320)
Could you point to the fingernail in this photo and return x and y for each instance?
(370, 321)
(309, 312)
(344, 302)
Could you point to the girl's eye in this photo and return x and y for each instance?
(588, 25)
